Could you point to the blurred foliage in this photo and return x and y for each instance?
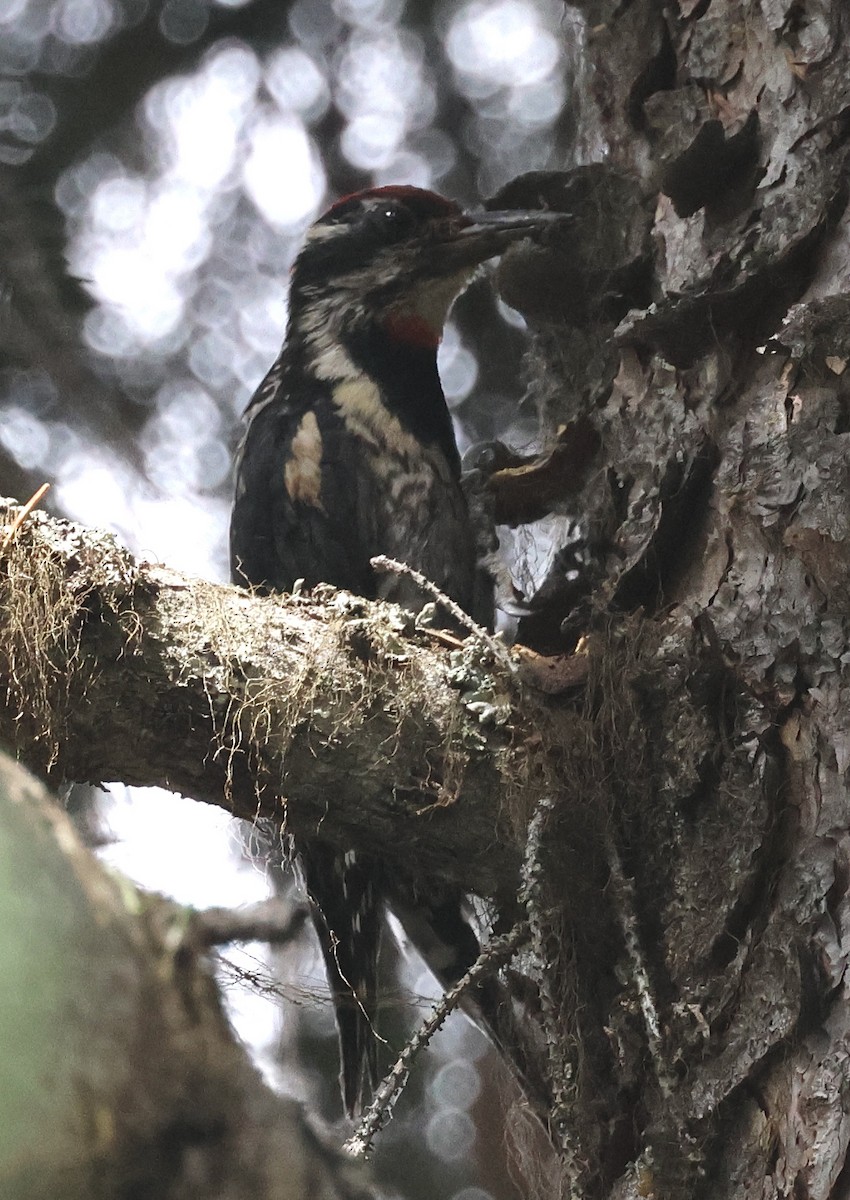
(159, 164)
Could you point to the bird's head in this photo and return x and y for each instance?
(396, 257)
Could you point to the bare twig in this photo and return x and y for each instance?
(23, 513)
(269, 921)
(444, 638)
(499, 951)
(498, 649)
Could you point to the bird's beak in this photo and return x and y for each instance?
(484, 235)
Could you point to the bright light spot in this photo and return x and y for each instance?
(25, 437)
(297, 84)
(410, 167)
(314, 24)
(438, 150)
(182, 443)
(144, 238)
(185, 412)
(82, 22)
(97, 491)
(215, 300)
(382, 74)
(32, 389)
(174, 230)
(151, 305)
(457, 365)
(262, 319)
(370, 141)
(183, 21)
(66, 444)
(139, 246)
(472, 1193)
(155, 830)
(11, 10)
(211, 357)
(25, 114)
(76, 186)
(118, 204)
(456, 1084)
(537, 103)
(108, 332)
(184, 533)
(283, 173)
(450, 1134)
(368, 13)
(201, 116)
(382, 89)
(193, 853)
(501, 44)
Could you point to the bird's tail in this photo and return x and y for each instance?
(345, 903)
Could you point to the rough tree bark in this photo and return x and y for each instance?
(699, 322)
(688, 861)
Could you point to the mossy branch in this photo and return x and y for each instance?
(327, 711)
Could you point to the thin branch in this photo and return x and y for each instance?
(32, 503)
(498, 952)
(269, 921)
(497, 648)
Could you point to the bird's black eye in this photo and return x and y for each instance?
(392, 220)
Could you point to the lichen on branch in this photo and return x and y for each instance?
(322, 711)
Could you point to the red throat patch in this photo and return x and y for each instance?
(412, 330)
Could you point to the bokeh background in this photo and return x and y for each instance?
(159, 164)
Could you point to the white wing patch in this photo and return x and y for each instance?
(302, 473)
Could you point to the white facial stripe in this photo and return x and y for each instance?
(323, 321)
(321, 233)
(320, 325)
(331, 361)
(359, 400)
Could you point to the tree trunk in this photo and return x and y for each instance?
(693, 964)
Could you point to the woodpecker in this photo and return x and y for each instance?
(349, 452)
